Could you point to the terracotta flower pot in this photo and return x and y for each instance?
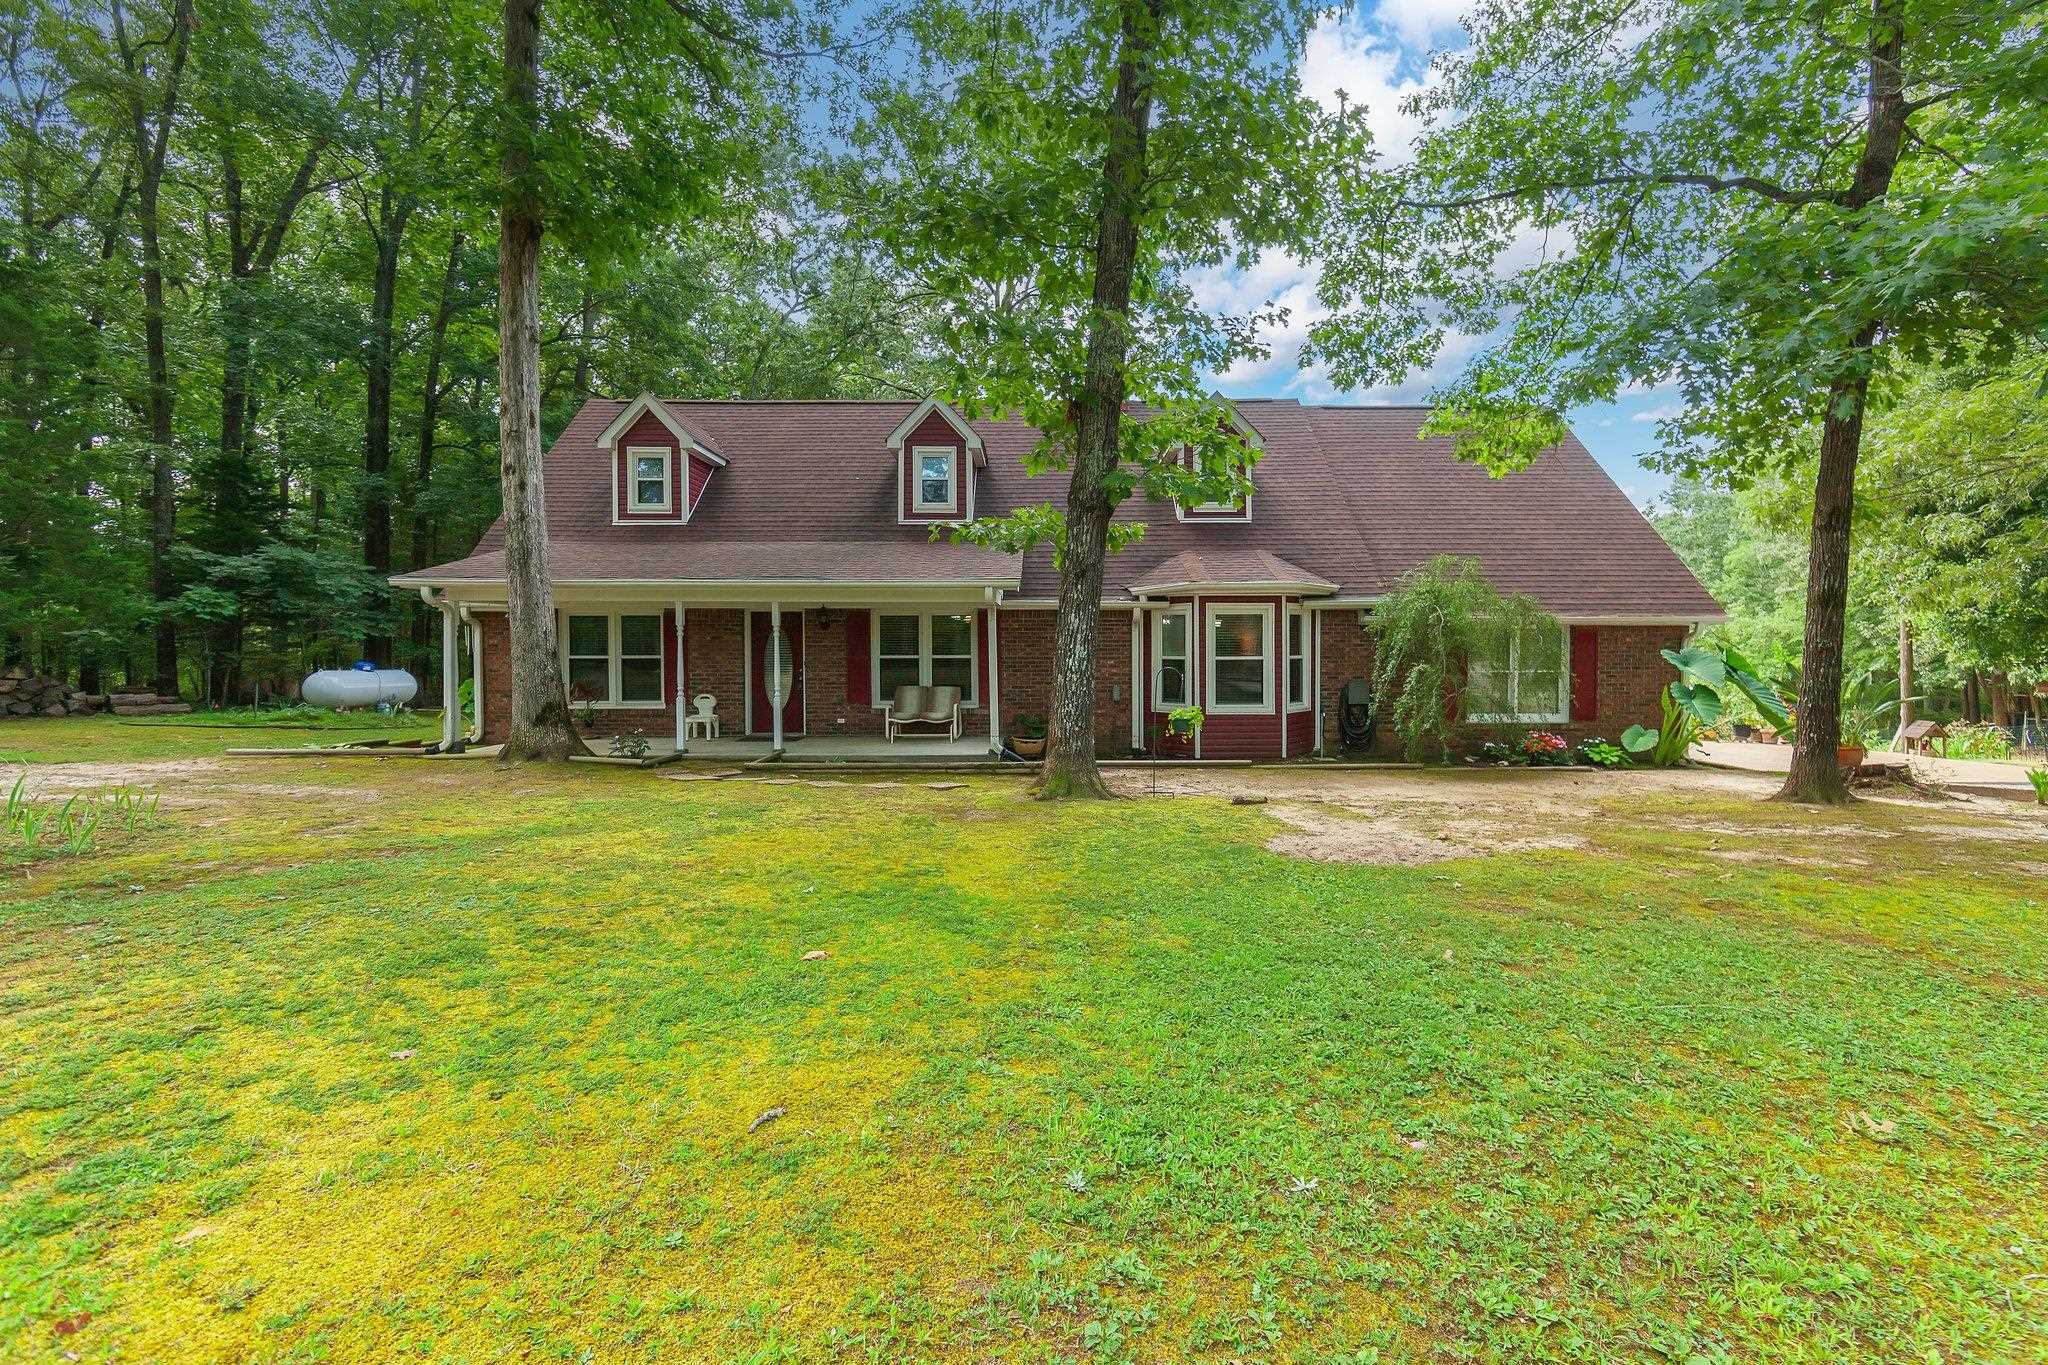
(1850, 755)
(1028, 748)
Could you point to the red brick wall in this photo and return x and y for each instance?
(1026, 662)
(1632, 675)
(713, 661)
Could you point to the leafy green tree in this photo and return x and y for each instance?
(1767, 206)
(1054, 171)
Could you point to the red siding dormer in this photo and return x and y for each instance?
(936, 456)
(1234, 425)
(659, 470)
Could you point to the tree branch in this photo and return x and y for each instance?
(1716, 183)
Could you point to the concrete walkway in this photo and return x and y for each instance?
(1977, 776)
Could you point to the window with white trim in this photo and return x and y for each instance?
(614, 659)
(1519, 676)
(1170, 658)
(647, 483)
(1240, 660)
(935, 649)
(938, 472)
(1297, 659)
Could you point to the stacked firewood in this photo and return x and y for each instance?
(23, 693)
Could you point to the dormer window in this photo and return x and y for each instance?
(650, 487)
(938, 473)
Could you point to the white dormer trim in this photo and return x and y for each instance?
(945, 410)
(608, 439)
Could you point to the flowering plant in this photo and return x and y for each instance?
(1546, 746)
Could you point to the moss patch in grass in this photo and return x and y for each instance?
(463, 1064)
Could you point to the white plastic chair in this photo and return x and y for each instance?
(702, 720)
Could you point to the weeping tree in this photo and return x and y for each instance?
(1427, 638)
(1055, 172)
(1764, 206)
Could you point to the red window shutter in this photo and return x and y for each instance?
(857, 692)
(1585, 673)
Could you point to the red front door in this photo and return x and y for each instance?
(761, 719)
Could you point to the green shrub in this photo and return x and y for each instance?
(1977, 739)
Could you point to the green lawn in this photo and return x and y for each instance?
(380, 1061)
(105, 739)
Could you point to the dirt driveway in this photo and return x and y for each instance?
(1419, 815)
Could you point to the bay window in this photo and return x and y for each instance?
(924, 649)
(1240, 659)
(1297, 659)
(1170, 659)
(614, 659)
(1519, 676)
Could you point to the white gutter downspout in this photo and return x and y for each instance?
(993, 600)
(1318, 750)
(1138, 688)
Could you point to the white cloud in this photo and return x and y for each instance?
(1663, 412)
(1417, 22)
(1343, 56)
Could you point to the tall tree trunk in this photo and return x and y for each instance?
(541, 725)
(1905, 681)
(586, 321)
(424, 539)
(392, 217)
(1070, 767)
(1816, 775)
(152, 135)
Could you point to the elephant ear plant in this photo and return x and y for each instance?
(1698, 698)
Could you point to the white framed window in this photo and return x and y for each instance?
(1240, 660)
(924, 649)
(937, 469)
(648, 486)
(614, 658)
(1297, 659)
(1520, 676)
(1170, 631)
(1211, 511)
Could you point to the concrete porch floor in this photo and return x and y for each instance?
(835, 749)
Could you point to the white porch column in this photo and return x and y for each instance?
(1138, 678)
(773, 660)
(451, 664)
(683, 690)
(994, 699)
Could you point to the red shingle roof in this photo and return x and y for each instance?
(1343, 496)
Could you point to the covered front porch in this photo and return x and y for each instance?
(810, 675)
(849, 749)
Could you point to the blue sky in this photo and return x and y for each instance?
(1376, 56)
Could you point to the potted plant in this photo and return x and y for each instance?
(1027, 736)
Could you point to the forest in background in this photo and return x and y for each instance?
(1951, 550)
(248, 346)
(248, 321)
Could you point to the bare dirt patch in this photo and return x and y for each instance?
(1426, 835)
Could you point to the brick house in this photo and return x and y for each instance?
(718, 548)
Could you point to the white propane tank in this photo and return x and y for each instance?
(339, 689)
